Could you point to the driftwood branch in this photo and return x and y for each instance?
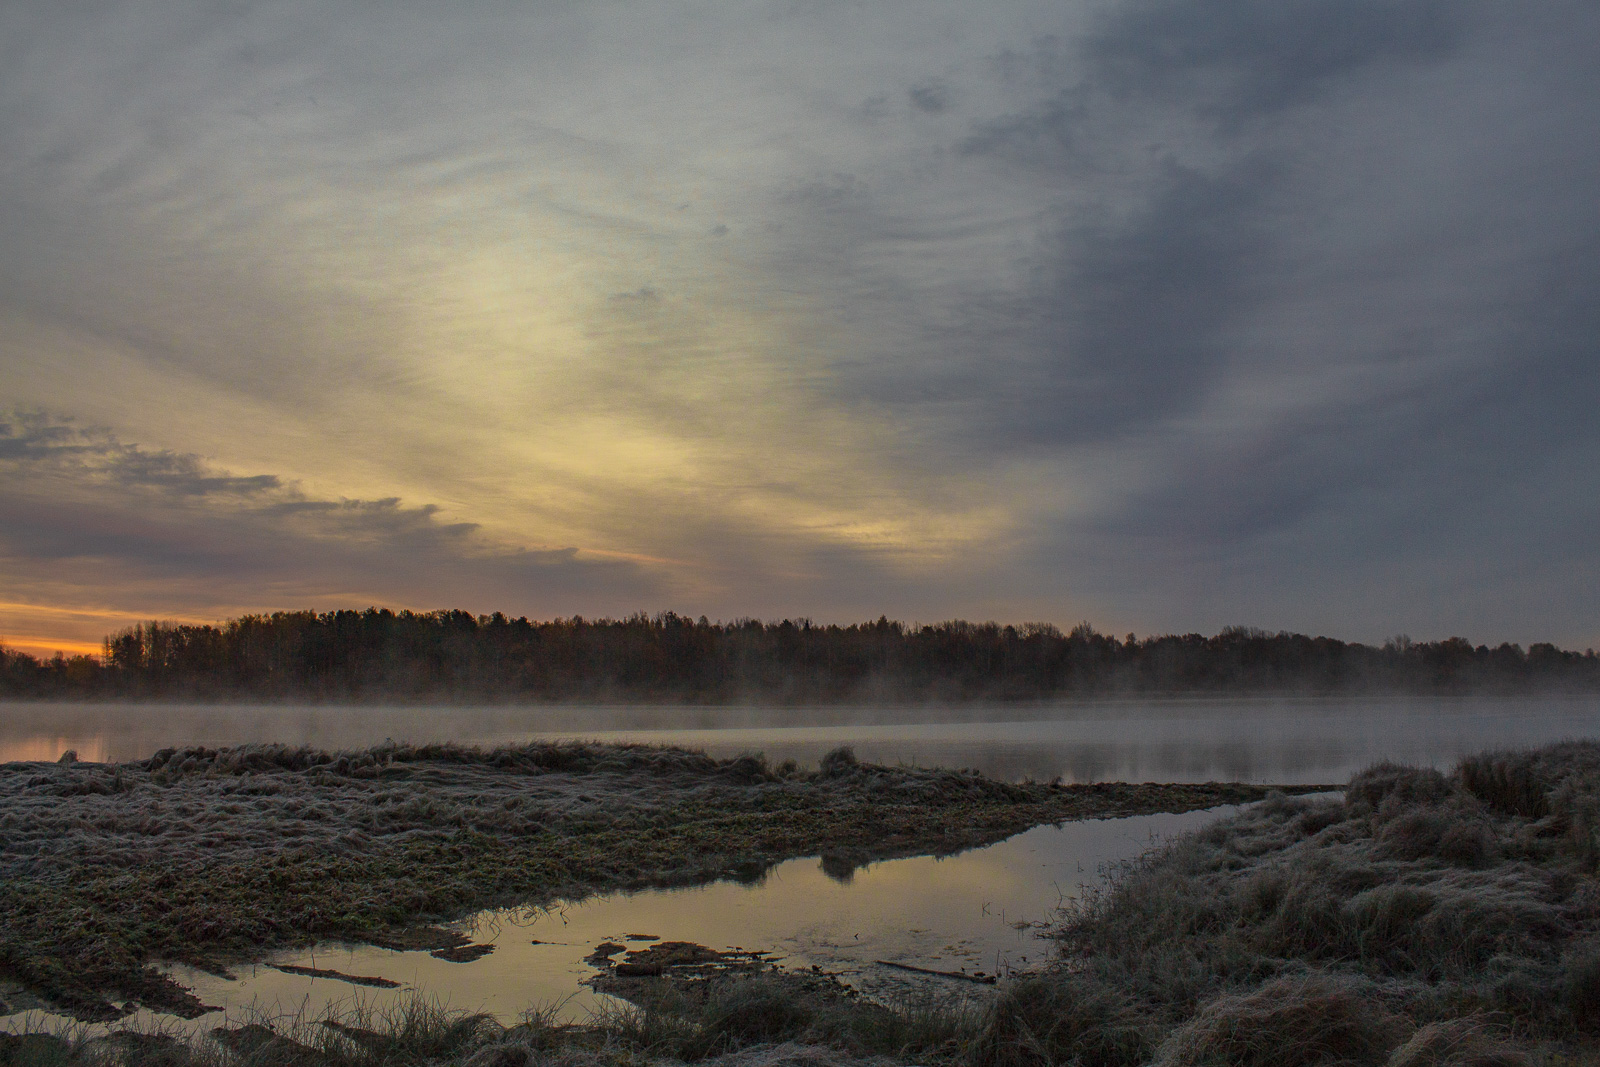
(322, 972)
(981, 979)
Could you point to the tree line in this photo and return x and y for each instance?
(382, 655)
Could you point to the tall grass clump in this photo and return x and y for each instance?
(1291, 1020)
(1423, 918)
(736, 1011)
(1042, 1021)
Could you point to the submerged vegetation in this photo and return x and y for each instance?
(380, 655)
(1424, 920)
(212, 857)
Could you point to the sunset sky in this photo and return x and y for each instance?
(1164, 314)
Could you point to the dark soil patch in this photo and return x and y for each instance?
(676, 960)
(462, 953)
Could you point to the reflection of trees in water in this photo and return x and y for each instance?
(1175, 761)
(1086, 762)
(1234, 760)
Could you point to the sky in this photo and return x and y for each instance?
(1167, 315)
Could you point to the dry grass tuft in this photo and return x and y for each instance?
(1458, 1043)
(1421, 899)
(1040, 1022)
(1295, 1021)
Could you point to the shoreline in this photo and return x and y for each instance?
(1070, 699)
(1422, 919)
(215, 857)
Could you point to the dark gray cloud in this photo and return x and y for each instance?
(1230, 63)
(1149, 282)
(31, 438)
(84, 508)
(1313, 304)
(932, 97)
(1237, 60)
(182, 474)
(1139, 319)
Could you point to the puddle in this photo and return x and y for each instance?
(974, 912)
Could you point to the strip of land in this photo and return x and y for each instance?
(1423, 920)
(1446, 920)
(218, 857)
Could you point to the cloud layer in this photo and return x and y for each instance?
(1167, 313)
(101, 525)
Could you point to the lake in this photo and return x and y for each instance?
(1288, 741)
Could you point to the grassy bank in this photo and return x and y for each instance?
(215, 857)
(1425, 919)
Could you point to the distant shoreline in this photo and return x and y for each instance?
(1107, 701)
(377, 656)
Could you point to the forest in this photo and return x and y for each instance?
(381, 655)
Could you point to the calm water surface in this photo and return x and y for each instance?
(1283, 741)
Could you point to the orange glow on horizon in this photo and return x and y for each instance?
(47, 647)
(42, 630)
(16, 607)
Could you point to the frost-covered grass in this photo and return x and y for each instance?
(211, 857)
(1424, 919)
(768, 1020)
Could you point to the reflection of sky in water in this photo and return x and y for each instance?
(958, 912)
(1247, 740)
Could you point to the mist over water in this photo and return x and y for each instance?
(1289, 741)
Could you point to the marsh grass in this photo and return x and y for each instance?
(1425, 918)
(1310, 1018)
(768, 1020)
(1042, 1020)
(212, 857)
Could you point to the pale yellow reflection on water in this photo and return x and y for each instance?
(975, 911)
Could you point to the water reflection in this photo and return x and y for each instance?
(51, 746)
(1290, 741)
(975, 911)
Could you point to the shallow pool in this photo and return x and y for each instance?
(978, 911)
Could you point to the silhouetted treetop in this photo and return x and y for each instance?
(382, 655)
